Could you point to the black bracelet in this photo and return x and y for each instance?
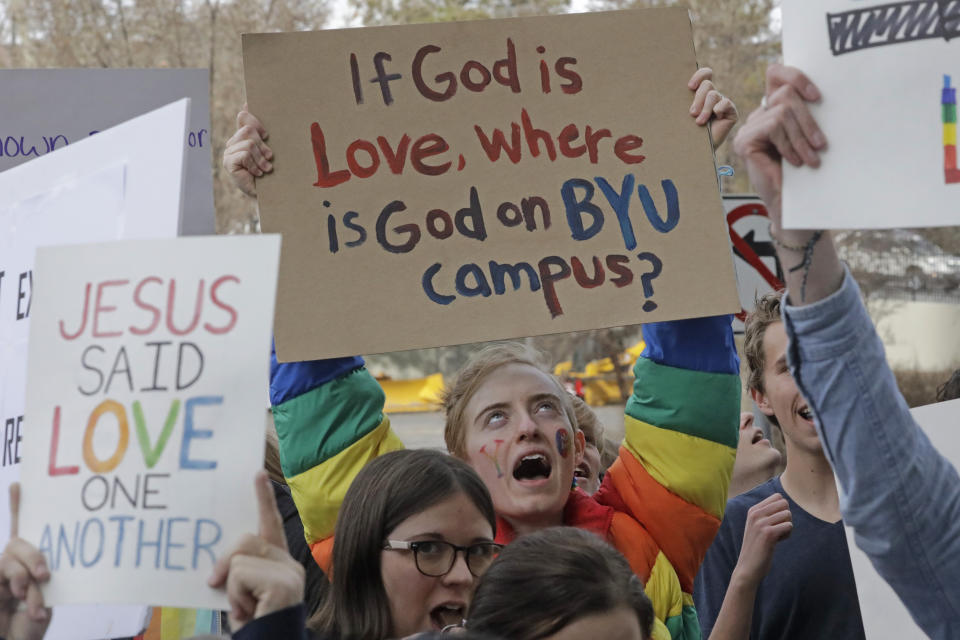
(806, 262)
(799, 248)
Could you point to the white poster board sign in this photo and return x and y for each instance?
(888, 74)
(755, 257)
(146, 364)
(48, 109)
(125, 182)
(884, 615)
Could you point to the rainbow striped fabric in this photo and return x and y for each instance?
(661, 502)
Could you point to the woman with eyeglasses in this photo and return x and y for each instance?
(414, 532)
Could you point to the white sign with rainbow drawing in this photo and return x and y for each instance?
(888, 74)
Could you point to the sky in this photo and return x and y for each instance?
(341, 12)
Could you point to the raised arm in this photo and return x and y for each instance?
(899, 494)
(673, 469)
(330, 423)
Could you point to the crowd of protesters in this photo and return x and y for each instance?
(534, 525)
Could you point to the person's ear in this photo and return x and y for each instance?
(579, 446)
(762, 402)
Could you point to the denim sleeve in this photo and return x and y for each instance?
(901, 496)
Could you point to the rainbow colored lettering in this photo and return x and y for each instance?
(948, 101)
(493, 457)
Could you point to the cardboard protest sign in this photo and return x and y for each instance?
(884, 615)
(38, 119)
(888, 73)
(450, 183)
(758, 270)
(147, 363)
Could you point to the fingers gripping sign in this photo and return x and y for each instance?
(781, 128)
(711, 106)
(22, 570)
(246, 155)
(259, 574)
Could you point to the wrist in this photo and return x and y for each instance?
(795, 240)
(745, 581)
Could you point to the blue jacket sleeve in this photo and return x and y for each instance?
(901, 496)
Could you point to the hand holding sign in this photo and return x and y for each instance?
(22, 569)
(260, 574)
(781, 128)
(709, 105)
(509, 178)
(246, 155)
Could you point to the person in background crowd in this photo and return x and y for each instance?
(900, 495)
(317, 584)
(589, 472)
(757, 459)
(561, 583)
(517, 430)
(949, 390)
(414, 533)
(809, 590)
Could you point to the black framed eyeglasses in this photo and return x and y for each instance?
(435, 558)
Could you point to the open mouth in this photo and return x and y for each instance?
(446, 615)
(582, 471)
(532, 467)
(757, 436)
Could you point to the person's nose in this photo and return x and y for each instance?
(459, 573)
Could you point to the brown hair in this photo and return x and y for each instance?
(457, 396)
(546, 580)
(765, 313)
(387, 491)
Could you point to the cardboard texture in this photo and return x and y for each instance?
(37, 119)
(146, 363)
(884, 615)
(417, 199)
(888, 73)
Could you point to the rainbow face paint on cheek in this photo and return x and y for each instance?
(494, 457)
(563, 442)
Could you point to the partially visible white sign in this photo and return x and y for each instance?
(47, 109)
(884, 615)
(123, 182)
(888, 73)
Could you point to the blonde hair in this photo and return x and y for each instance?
(474, 373)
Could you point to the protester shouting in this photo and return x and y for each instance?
(809, 590)
(514, 424)
(900, 495)
(414, 533)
